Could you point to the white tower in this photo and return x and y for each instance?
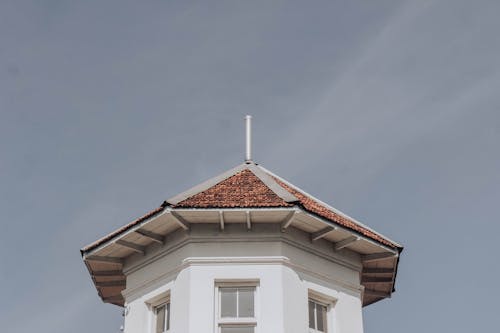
(244, 252)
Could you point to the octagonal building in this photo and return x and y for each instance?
(244, 252)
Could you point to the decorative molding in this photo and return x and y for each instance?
(286, 238)
(327, 300)
(257, 260)
(158, 299)
(260, 260)
(237, 282)
(183, 239)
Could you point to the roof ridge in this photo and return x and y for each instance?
(272, 184)
(206, 184)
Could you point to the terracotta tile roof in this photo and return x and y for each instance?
(242, 190)
(247, 187)
(315, 207)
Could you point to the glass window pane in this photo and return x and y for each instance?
(321, 317)
(237, 329)
(246, 302)
(227, 302)
(311, 315)
(160, 318)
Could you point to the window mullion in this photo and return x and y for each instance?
(237, 303)
(167, 315)
(219, 303)
(235, 317)
(315, 316)
(165, 318)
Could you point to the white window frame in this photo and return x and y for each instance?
(326, 301)
(314, 330)
(156, 302)
(241, 321)
(167, 316)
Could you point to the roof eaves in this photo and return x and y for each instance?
(146, 217)
(396, 245)
(336, 224)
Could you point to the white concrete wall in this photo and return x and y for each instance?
(295, 296)
(287, 274)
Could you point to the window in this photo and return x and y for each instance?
(162, 318)
(236, 308)
(317, 317)
(159, 306)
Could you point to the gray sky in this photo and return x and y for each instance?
(388, 110)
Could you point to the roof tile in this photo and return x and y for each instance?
(241, 190)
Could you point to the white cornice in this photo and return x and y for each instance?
(257, 260)
(185, 239)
